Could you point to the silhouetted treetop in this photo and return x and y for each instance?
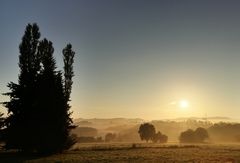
(45, 51)
(28, 59)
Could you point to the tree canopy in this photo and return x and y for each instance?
(146, 131)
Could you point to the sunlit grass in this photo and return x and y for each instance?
(140, 152)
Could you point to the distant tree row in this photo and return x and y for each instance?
(109, 137)
(89, 139)
(225, 132)
(148, 132)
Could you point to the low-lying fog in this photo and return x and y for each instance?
(220, 129)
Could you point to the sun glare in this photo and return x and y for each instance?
(183, 104)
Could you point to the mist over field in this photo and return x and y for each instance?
(220, 129)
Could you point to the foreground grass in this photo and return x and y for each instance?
(135, 153)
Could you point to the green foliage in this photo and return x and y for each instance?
(146, 131)
(39, 118)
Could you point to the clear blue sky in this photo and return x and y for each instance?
(136, 58)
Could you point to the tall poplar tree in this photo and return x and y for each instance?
(68, 59)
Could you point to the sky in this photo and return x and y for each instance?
(138, 58)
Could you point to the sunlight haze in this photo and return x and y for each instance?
(135, 59)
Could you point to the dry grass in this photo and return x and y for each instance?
(120, 152)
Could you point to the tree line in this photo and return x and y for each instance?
(38, 117)
(194, 132)
(147, 132)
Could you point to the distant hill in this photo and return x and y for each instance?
(106, 123)
(85, 132)
(122, 121)
(212, 119)
(112, 125)
(127, 129)
(110, 120)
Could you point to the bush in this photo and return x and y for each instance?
(159, 137)
(110, 137)
(163, 139)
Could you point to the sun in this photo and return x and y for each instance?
(183, 104)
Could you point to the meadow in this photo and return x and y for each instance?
(140, 152)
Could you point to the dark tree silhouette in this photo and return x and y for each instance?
(146, 131)
(225, 132)
(1, 126)
(22, 96)
(197, 136)
(201, 134)
(159, 137)
(156, 137)
(1, 120)
(39, 118)
(68, 56)
(68, 59)
(163, 139)
(187, 136)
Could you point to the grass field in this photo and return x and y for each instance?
(120, 152)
